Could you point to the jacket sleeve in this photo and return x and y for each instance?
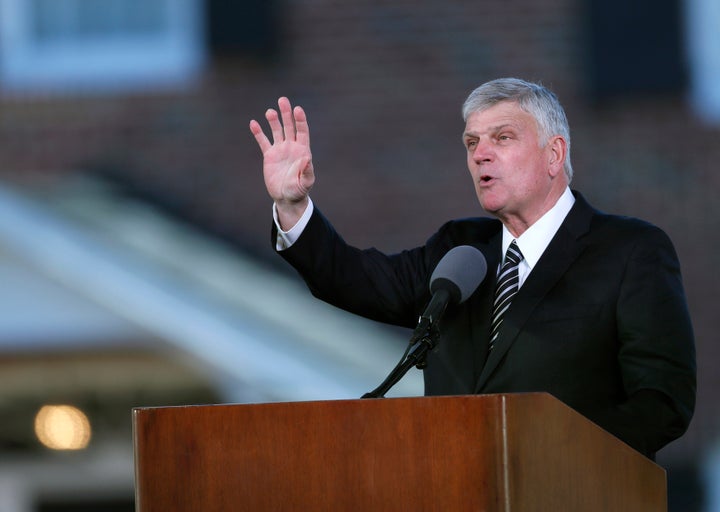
(367, 282)
(657, 350)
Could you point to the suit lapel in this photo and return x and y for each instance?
(480, 304)
(562, 251)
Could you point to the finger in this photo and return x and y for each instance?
(301, 126)
(287, 118)
(306, 176)
(302, 172)
(259, 135)
(275, 127)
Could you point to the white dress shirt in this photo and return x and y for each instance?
(533, 242)
(286, 238)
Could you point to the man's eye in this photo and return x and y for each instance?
(470, 144)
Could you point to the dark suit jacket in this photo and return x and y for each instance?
(601, 322)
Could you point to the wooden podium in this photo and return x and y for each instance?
(515, 452)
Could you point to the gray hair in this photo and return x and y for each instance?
(535, 99)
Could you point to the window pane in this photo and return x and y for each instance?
(704, 44)
(73, 20)
(107, 45)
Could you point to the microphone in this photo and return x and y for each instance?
(455, 278)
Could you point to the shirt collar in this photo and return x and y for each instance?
(536, 238)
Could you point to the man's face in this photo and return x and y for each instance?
(515, 178)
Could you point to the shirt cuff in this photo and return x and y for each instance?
(286, 238)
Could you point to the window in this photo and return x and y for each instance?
(635, 48)
(99, 44)
(703, 29)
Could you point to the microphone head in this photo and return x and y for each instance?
(459, 272)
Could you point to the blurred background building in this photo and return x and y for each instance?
(135, 262)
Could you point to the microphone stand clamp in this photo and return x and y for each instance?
(415, 355)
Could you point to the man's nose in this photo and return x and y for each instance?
(483, 152)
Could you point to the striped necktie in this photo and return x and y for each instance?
(507, 287)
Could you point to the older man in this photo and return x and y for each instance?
(586, 306)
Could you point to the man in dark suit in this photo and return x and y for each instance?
(598, 317)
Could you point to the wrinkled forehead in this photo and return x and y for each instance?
(500, 114)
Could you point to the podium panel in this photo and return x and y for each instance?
(515, 452)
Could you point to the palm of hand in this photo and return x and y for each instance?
(287, 160)
(288, 170)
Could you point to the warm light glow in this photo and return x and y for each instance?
(62, 427)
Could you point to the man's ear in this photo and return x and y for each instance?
(557, 152)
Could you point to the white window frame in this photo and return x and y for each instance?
(172, 57)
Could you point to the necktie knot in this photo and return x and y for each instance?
(513, 254)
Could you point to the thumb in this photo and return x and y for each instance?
(306, 176)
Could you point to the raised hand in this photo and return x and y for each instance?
(287, 160)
